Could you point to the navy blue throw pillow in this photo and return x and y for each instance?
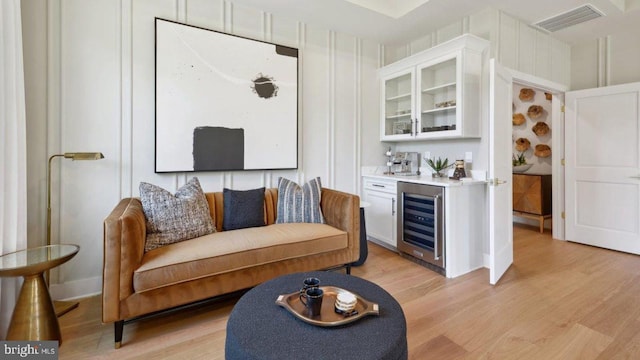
(243, 208)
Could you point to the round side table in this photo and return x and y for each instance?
(34, 317)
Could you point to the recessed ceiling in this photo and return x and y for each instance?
(394, 9)
(365, 19)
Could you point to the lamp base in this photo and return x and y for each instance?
(63, 307)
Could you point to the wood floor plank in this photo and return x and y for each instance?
(577, 342)
(439, 347)
(559, 300)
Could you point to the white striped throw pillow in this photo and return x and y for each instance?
(298, 204)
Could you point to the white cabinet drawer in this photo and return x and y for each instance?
(380, 185)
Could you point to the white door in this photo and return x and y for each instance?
(602, 152)
(500, 172)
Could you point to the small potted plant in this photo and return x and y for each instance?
(438, 166)
(520, 163)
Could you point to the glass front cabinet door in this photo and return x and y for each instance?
(434, 94)
(398, 105)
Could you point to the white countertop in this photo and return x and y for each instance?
(427, 180)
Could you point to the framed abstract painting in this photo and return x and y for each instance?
(223, 102)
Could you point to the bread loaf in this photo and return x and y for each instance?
(522, 144)
(535, 111)
(526, 94)
(542, 151)
(540, 128)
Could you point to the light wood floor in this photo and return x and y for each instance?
(559, 300)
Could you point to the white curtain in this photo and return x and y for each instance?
(13, 157)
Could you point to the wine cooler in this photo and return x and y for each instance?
(421, 223)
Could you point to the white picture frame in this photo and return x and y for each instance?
(223, 102)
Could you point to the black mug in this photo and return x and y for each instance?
(309, 283)
(312, 300)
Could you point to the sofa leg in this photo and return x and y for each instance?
(118, 328)
(348, 269)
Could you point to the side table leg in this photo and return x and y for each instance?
(541, 221)
(34, 317)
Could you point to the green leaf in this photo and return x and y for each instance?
(438, 165)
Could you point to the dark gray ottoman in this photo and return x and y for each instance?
(260, 329)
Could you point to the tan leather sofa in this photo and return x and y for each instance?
(136, 283)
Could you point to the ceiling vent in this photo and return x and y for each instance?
(572, 17)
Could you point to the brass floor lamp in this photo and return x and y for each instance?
(63, 307)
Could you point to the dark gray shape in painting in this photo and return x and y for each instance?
(218, 148)
(286, 51)
(265, 86)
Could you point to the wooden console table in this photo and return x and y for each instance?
(532, 197)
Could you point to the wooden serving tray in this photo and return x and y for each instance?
(328, 316)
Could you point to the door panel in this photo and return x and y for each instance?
(602, 137)
(380, 217)
(500, 172)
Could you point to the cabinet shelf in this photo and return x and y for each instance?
(398, 97)
(442, 109)
(436, 89)
(398, 116)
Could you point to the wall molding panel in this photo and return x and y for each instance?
(331, 115)
(53, 120)
(227, 16)
(515, 46)
(181, 10)
(357, 126)
(604, 61)
(301, 42)
(126, 105)
(267, 28)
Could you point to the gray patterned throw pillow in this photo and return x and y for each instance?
(174, 218)
(299, 204)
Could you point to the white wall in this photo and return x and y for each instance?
(90, 87)
(609, 60)
(514, 44)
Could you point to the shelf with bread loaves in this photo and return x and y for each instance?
(531, 130)
(434, 94)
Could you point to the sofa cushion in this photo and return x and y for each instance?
(297, 203)
(234, 250)
(243, 208)
(174, 218)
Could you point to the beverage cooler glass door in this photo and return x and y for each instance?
(420, 222)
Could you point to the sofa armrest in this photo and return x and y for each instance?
(342, 211)
(124, 236)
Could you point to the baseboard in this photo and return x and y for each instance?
(76, 289)
(382, 243)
